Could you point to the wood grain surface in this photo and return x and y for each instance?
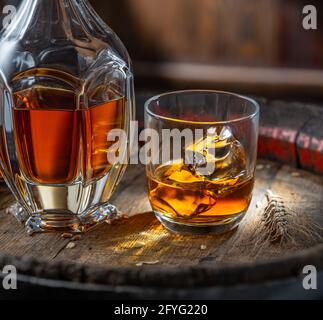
(141, 240)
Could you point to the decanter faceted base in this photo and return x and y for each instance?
(60, 222)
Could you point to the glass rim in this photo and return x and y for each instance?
(172, 93)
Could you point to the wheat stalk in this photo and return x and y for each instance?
(281, 226)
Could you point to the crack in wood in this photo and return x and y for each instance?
(62, 248)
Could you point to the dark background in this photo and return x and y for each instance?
(250, 46)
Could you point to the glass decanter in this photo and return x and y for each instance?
(66, 82)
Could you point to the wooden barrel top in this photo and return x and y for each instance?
(139, 251)
(137, 257)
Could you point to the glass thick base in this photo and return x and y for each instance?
(56, 221)
(219, 227)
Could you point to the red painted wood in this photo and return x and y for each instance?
(280, 123)
(310, 146)
(278, 144)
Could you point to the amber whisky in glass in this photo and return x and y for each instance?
(207, 186)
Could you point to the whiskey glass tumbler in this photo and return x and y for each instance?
(65, 83)
(201, 166)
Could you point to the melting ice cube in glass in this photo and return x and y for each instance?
(217, 156)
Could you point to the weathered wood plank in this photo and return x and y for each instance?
(142, 239)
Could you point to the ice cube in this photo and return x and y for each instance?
(217, 156)
(179, 172)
